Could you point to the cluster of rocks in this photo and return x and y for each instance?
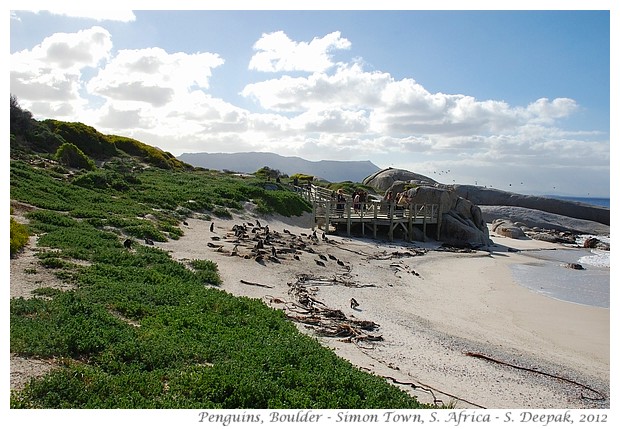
(518, 230)
(507, 228)
(466, 211)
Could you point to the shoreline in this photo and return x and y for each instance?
(439, 315)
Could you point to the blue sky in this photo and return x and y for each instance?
(517, 100)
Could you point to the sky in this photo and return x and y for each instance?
(514, 99)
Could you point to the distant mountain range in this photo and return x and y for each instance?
(250, 162)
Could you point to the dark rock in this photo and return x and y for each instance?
(507, 229)
(574, 266)
(544, 236)
(591, 243)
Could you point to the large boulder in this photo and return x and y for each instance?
(507, 229)
(384, 179)
(543, 220)
(459, 232)
(462, 223)
(494, 197)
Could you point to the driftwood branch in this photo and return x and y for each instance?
(490, 359)
(255, 284)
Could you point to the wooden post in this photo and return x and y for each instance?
(410, 223)
(374, 221)
(438, 220)
(391, 218)
(327, 207)
(348, 207)
(362, 209)
(424, 220)
(314, 214)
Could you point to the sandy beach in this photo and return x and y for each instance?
(455, 328)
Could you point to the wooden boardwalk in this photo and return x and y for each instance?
(370, 215)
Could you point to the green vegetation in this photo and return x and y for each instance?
(141, 330)
(19, 236)
(70, 155)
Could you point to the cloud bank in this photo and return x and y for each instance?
(307, 105)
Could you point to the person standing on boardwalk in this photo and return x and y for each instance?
(356, 201)
(340, 201)
(389, 199)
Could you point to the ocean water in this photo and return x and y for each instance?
(603, 202)
(547, 275)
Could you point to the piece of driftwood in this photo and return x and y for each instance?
(557, 377)
(255, 284)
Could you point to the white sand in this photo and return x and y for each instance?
(459, 302)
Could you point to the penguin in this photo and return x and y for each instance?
(211, 227)
(354, 303)
(127, 243)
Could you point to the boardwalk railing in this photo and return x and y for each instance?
(370, 214)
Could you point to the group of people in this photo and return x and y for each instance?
(359, 197)
(401, 200)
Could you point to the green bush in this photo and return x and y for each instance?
(19, 236)
(85, 137)
(71, 156)
(104, 179)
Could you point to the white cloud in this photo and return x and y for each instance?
(68, 52)
(93, 13)
(546, 111)
(153, 76)
(276, 53)
(51, 71)
(400, 107)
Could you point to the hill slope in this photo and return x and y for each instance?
(250, 162)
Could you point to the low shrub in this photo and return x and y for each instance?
(71, 156)
(19, 237)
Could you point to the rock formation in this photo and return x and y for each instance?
(507, 229)
(462, 223)
(530, 212)
(494, 197)
(540, 220)
(384, 179)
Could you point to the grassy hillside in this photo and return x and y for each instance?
(140, 330)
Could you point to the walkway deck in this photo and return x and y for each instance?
(369, 215)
